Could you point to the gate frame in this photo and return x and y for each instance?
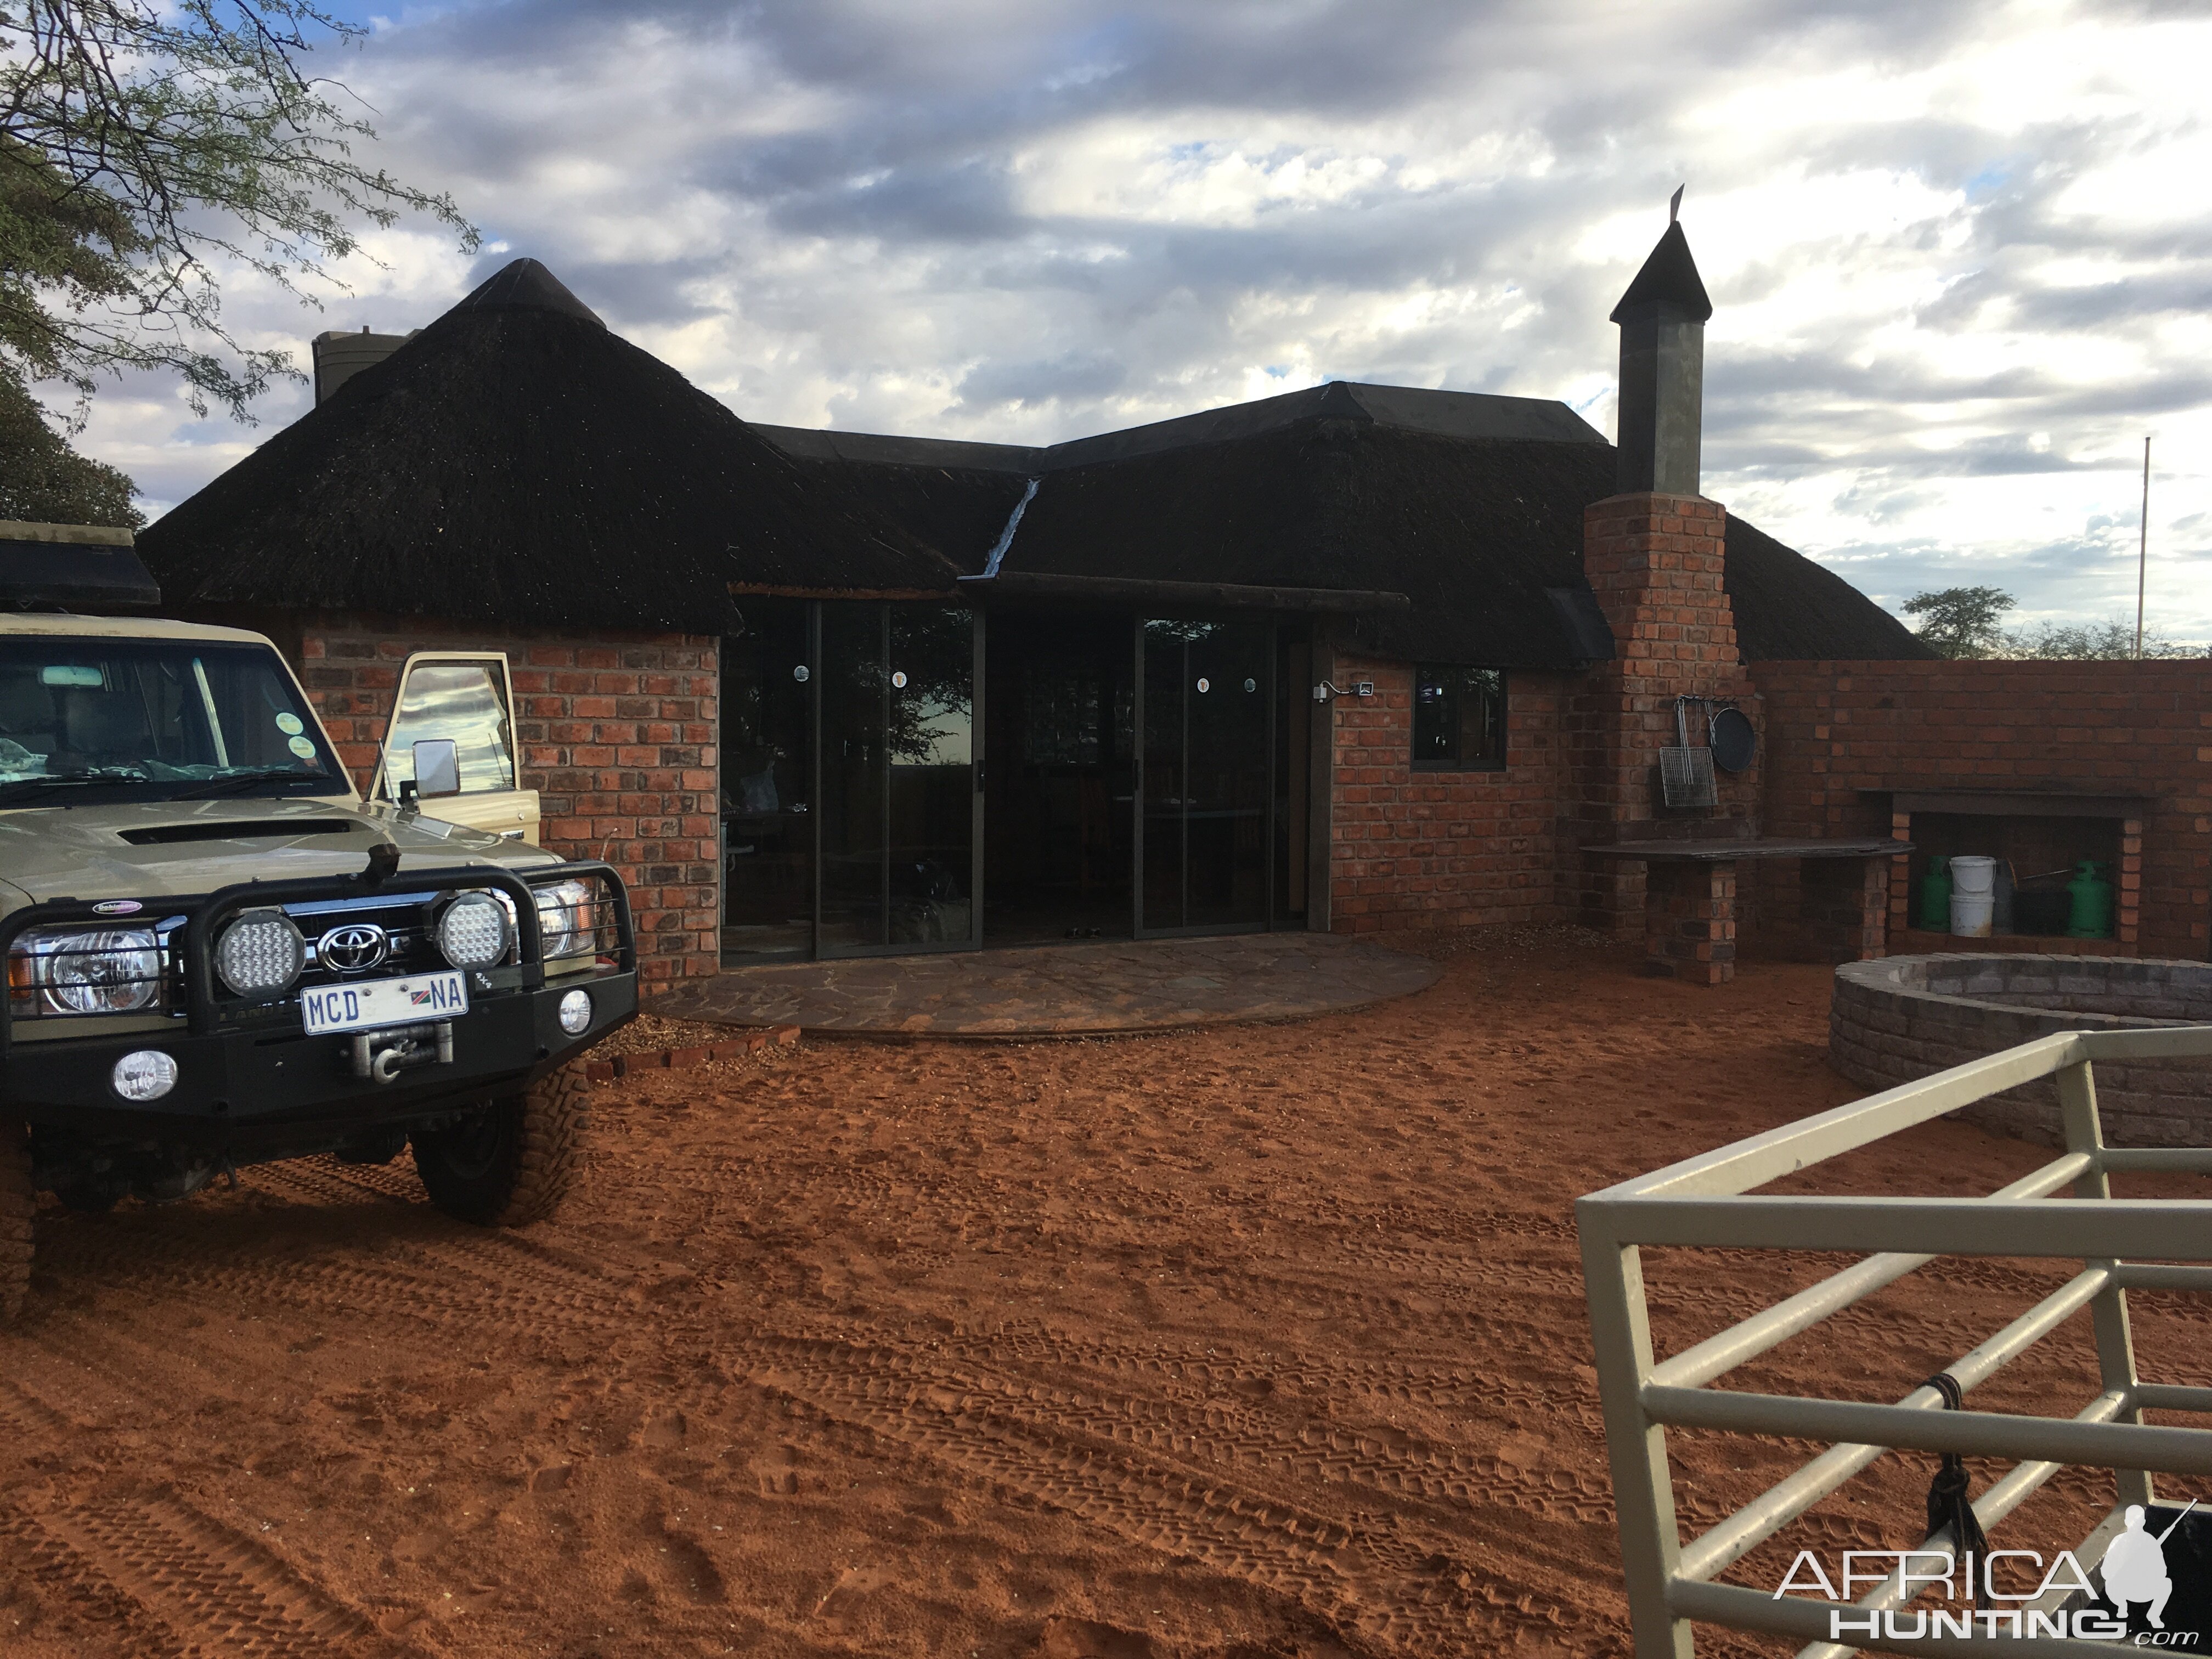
(1705, 1202)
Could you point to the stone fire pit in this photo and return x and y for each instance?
(1898, 1018)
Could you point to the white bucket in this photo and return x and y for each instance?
(1970, 914)
(1973, 878)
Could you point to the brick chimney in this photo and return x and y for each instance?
(1654, 556)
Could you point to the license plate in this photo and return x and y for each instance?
(382, 1002)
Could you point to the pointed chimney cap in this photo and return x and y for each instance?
(526, 285)
(1669, 277)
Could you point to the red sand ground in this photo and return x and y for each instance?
(1259, 1341)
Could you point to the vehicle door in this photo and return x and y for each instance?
(464, 698)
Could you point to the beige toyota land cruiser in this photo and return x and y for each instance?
(218, 954)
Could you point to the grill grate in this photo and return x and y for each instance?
(1686, 774)
(1686, 777)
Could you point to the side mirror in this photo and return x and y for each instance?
(437, 768)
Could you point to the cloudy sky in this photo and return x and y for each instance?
(1961, 254)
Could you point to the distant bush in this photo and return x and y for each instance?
(2110, 640)
(1964, 622)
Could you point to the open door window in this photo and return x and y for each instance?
(451, 749)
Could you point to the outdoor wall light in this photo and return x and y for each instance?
(1324, 690)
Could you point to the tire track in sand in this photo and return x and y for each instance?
(1191, 1368)
(325, 1178)
(51, 1564)
(176, 1579)
(437, 1283)
(1107, 1459)
(1391, 1587)
(221, 1592)
(1208, 1426)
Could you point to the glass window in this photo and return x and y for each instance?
(465, 701)
(152, 719)
(1459, 717)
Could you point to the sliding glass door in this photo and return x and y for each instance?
(1207, 719)
(1145, 777)
(899, 806)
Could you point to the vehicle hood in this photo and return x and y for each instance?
(176, 848)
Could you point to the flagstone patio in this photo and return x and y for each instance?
(1060, 990)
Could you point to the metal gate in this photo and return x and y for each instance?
(1708, 1202)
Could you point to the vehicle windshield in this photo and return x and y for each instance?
(153, 720)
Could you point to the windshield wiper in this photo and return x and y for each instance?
(26, 788)
(237, 783)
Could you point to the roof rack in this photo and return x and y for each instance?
(72, 566)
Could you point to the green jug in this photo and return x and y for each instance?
(2093, 902)
(1935, 895)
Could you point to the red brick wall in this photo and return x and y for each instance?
(618, 736)
(1655, 564)
(2121, 728)
(1441, 850)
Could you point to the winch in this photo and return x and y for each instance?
(384, 1055)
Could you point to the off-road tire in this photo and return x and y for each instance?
(18, 1200)
(515, 1162)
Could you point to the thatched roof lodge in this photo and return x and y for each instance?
(516, 461)
(929, 693)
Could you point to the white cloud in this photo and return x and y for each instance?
(1960, 253)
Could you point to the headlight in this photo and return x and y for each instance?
(112, 971)
(260, 954)
(575, 1012)
(472, 931)
(568, 917)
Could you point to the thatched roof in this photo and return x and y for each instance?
(1473, 530)
(1789, 610)
(1415, 409)
(1471, 506)
(518, 462)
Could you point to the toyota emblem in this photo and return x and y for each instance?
(350, 949)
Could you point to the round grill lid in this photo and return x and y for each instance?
(1734, 741)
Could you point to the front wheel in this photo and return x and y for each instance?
(514, 1162)
(18, 1200)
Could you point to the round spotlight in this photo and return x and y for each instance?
(472, 931)
(575, 1013)
(260, 954)
(144, 1075)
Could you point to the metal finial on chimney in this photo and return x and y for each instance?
(1674, 203)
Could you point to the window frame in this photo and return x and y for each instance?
(1497, 762)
